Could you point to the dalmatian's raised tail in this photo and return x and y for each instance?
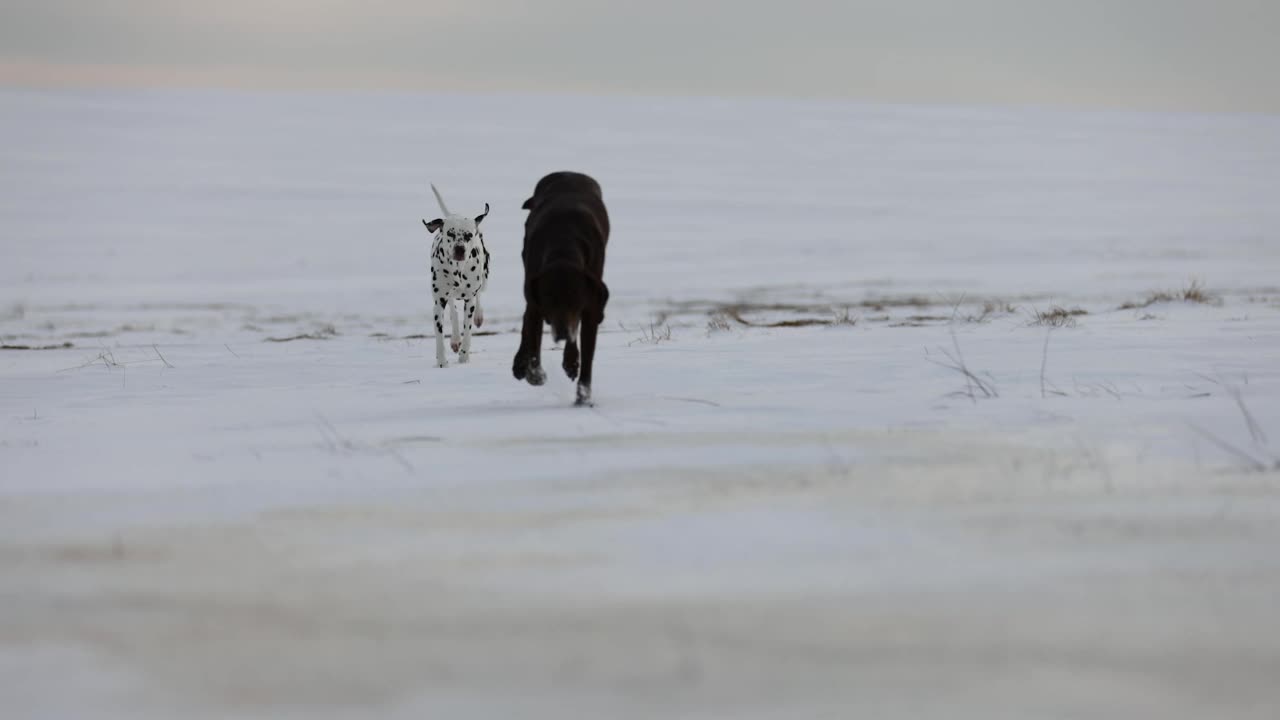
(443, 208)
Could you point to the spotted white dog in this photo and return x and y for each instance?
(459, 271)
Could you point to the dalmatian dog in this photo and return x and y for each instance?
(459, 271)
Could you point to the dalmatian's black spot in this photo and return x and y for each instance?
(475, 252)
(444, 302)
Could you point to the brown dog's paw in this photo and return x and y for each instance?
(528, 369)
(537, 376)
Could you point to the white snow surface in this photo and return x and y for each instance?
(236, 486)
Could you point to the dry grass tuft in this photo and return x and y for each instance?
(1257, 457)
(975, 386)
(1192, 293)
(718, 322)
(984, 314)
(1195, 293)
(653, 334)
(1056, 317)
(844, 316)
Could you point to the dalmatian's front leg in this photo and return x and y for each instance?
(469, 308)
(455, 343)
(437, 304)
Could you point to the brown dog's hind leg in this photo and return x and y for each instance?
(589, 327)
(527, 365)
(570, 362)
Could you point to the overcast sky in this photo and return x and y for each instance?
(1157, 54)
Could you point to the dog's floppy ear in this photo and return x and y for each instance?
(434, 225)
(483, 215)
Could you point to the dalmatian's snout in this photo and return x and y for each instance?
(459, 253)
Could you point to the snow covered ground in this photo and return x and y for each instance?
(236, 486)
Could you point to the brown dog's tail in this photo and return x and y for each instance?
(565, 294)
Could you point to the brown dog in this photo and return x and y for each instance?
(564, 242)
